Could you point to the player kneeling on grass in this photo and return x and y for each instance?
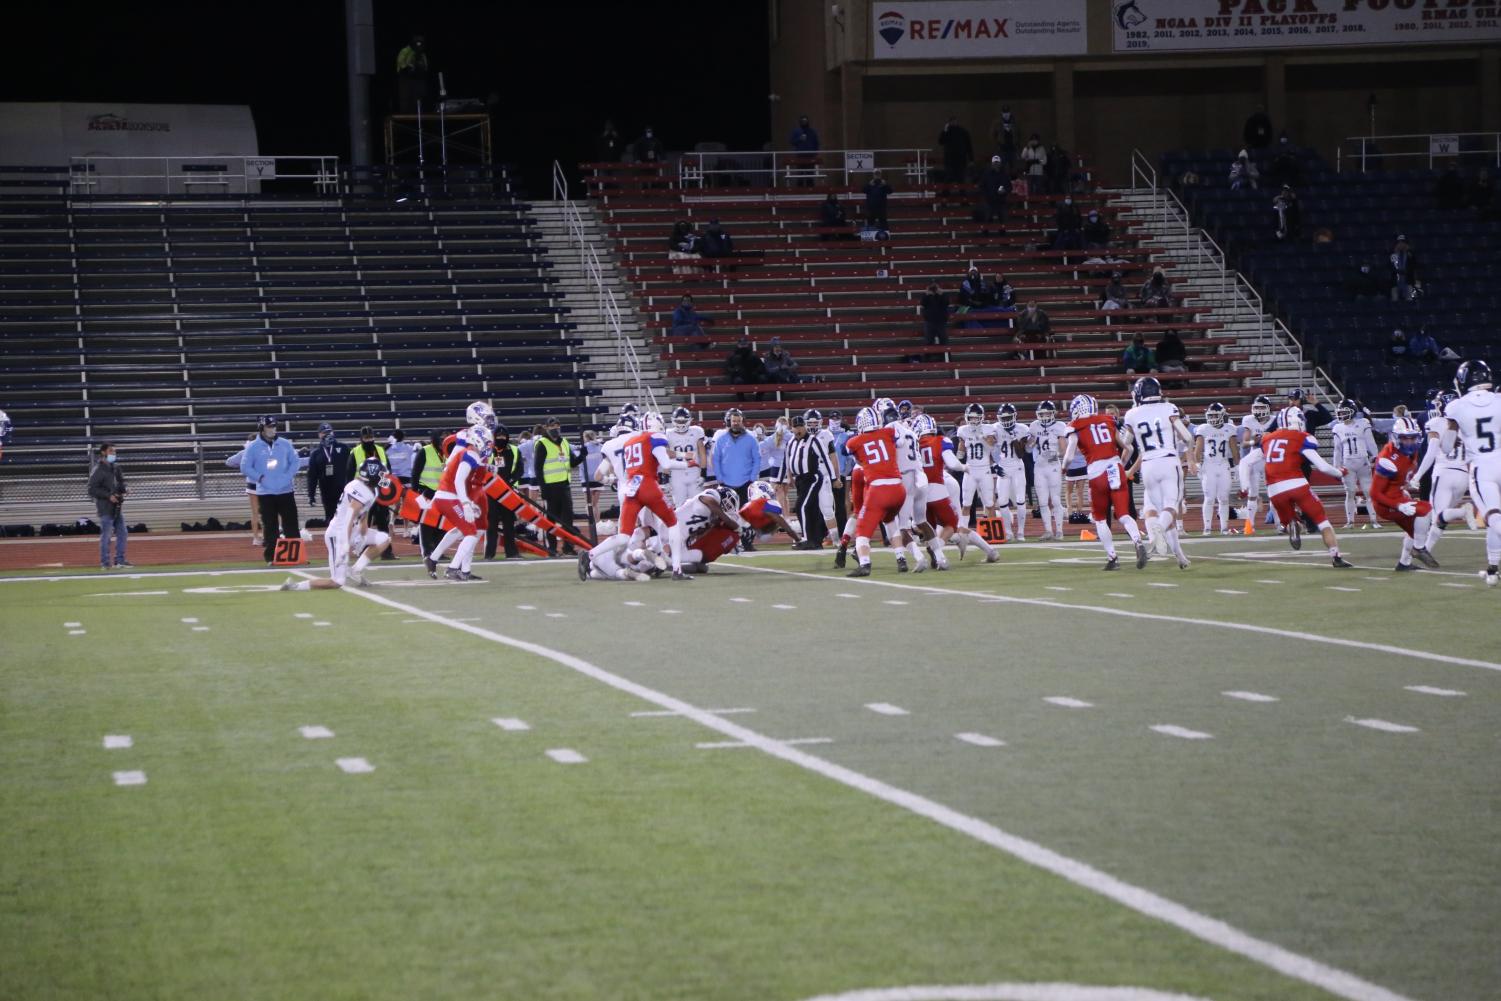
(621, 563)
(1286, 450)
(349, 530)
(714, 519)
(643, 457)
(1395, 466)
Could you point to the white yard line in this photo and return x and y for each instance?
(315, 732)
(130, 778)
(1067, 702)
(886, 709)
(1251, 696)
(1181, 731)
(1136, 898)
(354, 766)
(511, 723)
(1226, 590)
(566, 756)
(117, 741)
(1245, 627)
(1427, 690)
(1383, 725)
(728, 744)
(979, 740)
(673, 712)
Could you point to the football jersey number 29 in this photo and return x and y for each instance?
(633, 455)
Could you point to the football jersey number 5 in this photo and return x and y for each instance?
(1489, 437)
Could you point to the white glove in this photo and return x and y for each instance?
(1408, 508)
(471, 511)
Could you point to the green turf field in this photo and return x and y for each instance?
(888, 796)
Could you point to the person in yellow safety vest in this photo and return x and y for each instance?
(555, 460)
(380, 517)
(412, 76)
(427, 465)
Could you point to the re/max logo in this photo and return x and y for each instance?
(935, 30)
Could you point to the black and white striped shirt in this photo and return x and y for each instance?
(805, 456)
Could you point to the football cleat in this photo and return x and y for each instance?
(1405, 568)
(994, 557)
(286, 585)
(1492, 576)
(680, 575)
(1183, 563)
(840, 556)
(1295, 534)
(584, 566)
(1142, 555)
(901, 564)
(473, 577)
(453, 573)
(863, 570)
(1112, 564)
(431, 566)
(1340, 563)
(1425, 558)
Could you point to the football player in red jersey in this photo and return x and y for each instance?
(643, 456)
(1395, 465)
(1286, 450)
(1095, 436)
(937, 455)
(453, 498)
(875, 450)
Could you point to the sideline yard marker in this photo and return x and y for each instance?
(315, 732)
(1181, 731)
(1426, 690)
(130, 778)
(566, 756)
(355, 766)
(115, 742)
(979, 740)
(886, 709)
(1068, 703)
(511, 723)
(1251, 696)
(1382, 725)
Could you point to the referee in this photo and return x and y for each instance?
(805, 464)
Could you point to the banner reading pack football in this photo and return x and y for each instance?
(977, 29)
(1176, 25)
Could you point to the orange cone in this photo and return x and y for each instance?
(1087, 536)
(1250, 527)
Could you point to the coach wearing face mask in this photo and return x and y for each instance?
(555, 460)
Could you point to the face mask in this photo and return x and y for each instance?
(109, 458)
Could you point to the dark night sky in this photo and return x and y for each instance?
(694, 71)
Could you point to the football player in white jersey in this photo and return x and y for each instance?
(349, 531)
(910, 529)
(1011, 442)
(1354, 450)
(1477, 418)
(1216, 449)
(1451, 471)
(1161, 437)
(1047, 472)
(1252, 469)
(685, 440)
(976, 439)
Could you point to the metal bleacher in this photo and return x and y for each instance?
(163, 323)
(1308, 283)
(848, 309)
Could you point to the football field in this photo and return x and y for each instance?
(1260, 778)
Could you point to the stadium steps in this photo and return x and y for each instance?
(1207, 286)
(614, 383)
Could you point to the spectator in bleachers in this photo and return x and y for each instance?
(1115, 295)
(1033, 326)
(877, 191)
(685, 319)
(1007, 136)
(1482, 194)
(1285, 167)
(935, 316)
(1003, 293)
(1404, 270)
(717, 242)
(1257, 133)
(1034, 158)
(1396, 345)
(995, 186)
(683, 240)
(1243, 173)
(1156, 292)
(107, 488)
(1421, 346)
(976, 296)
(1366, 283)
(1172, 353)
(1096, 231)
(831, 215)
(804, 138)
(958, 150)
(1289, 214)
(744, 367)
(648, 148)
(1449, 191)
(411, 77)
(328, 470)
(609, 146)
(780, 366)
(1068, 232)
(1060, 165)
(1138, 358)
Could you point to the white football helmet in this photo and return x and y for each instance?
(653, 422)
(1291, 419)
(478, 440)
(760, 489)
(4, 425)
(480, 412)
(974, 415)
(1407, 435)
(729, 503)
(1215, 415)
(1261, 408)
(924, 425)
(866, 420)
(1005, 416)
(604, 529)
(1082, 406)
(681, 418)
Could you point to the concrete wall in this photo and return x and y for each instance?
(1104, 105)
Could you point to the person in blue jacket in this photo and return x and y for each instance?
(737, 460)
(271, 463)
